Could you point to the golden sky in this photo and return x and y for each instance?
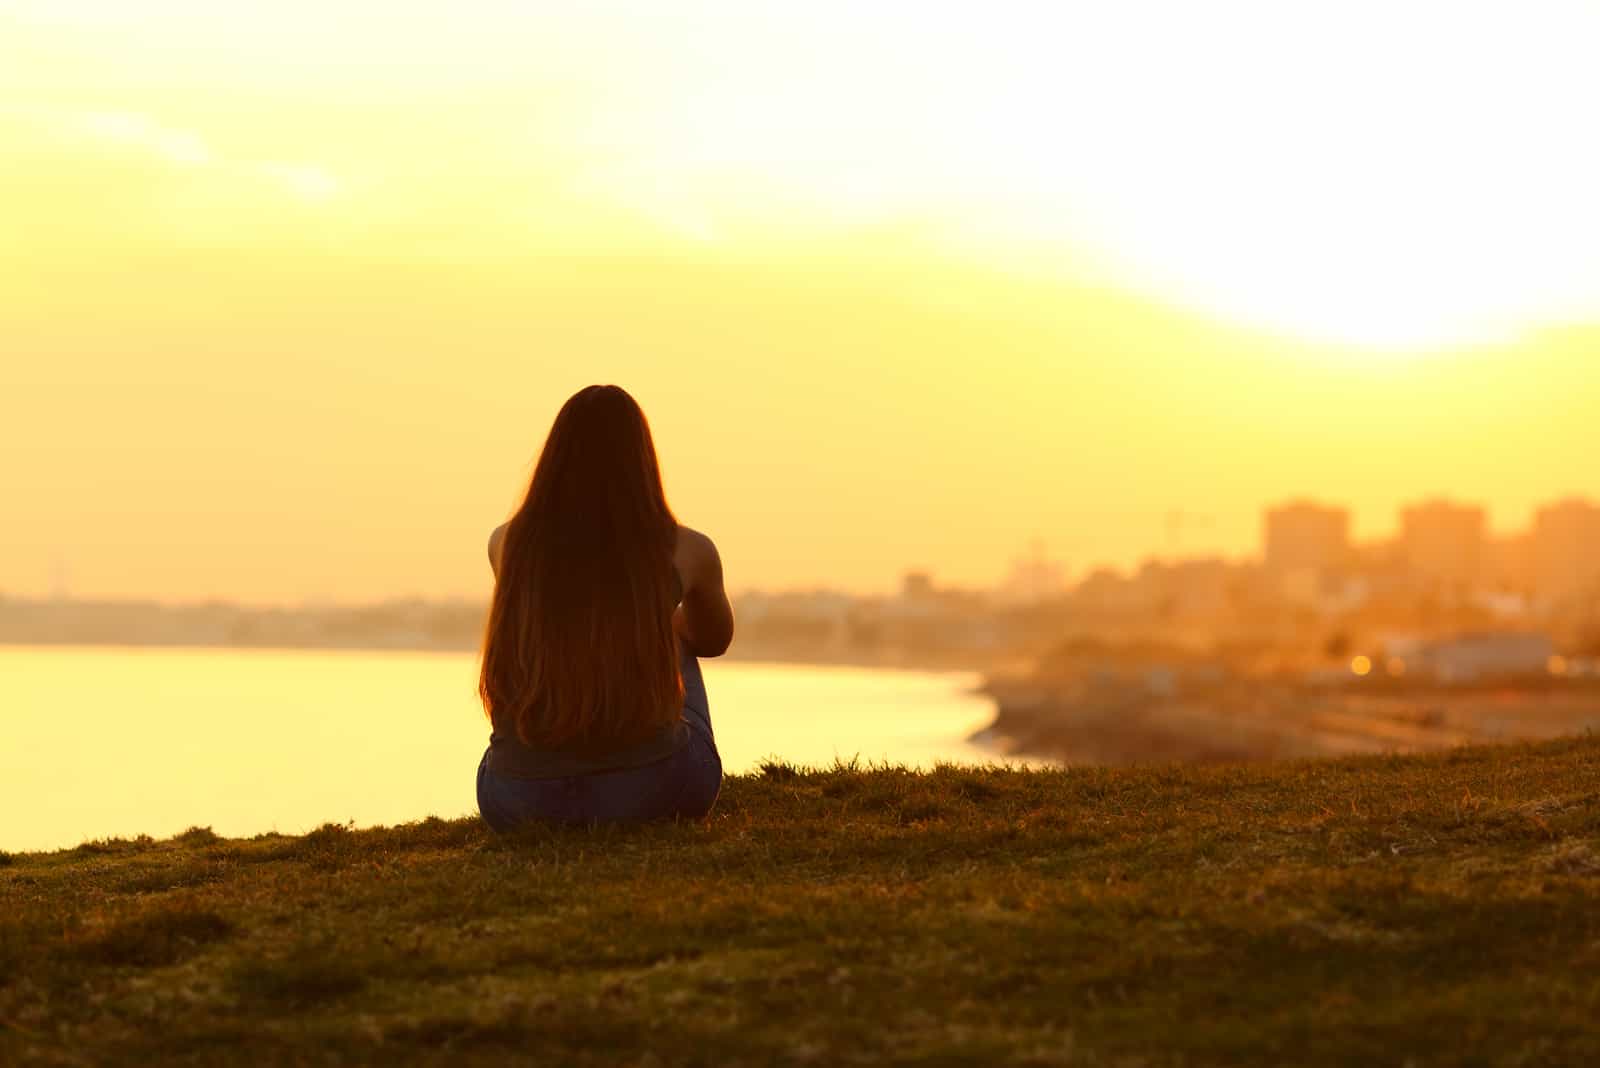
(289, 292)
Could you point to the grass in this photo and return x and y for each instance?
(1440, 909)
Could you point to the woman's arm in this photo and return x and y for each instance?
(704, 621)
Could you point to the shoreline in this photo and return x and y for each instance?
(1272, 723)
(765, 656)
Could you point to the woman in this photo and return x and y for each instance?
(602, 603)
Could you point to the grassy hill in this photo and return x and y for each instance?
(1439, 909)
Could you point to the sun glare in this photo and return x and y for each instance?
(1384, 178)
(1390, 179)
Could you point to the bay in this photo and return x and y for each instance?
(99, 742)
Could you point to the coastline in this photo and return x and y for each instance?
(1273, 721)
(883, 661)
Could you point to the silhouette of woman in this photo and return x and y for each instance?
(602, 605)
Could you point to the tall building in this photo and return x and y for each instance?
(1034, 578)
(1508, 563)
(1566, 550)
(1444, 543)
(1302, 537)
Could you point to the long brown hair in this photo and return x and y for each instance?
(579, 651)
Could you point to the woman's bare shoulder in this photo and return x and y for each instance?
(696, 553)
(497, 544)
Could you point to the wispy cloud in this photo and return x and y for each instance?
(305, 180)
(177, 147)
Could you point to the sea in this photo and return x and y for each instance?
(111, 742)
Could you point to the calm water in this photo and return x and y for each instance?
(98, 742)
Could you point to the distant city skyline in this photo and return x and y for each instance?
(1438, 536)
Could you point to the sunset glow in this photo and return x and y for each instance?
(246, 249)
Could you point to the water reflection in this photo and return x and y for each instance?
(118, 742)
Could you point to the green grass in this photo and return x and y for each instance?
(1438, 909)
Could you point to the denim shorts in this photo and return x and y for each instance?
(681, 786)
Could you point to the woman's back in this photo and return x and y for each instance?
(602, 603)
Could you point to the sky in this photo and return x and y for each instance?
(290, 292)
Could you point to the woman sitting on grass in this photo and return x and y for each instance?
(602, 603)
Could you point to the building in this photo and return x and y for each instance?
(1302, 538)
(1565, 551)
(1482, 657)
(1033, 579)
(1200, 587)
(1508, 563)
(1445, 544)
